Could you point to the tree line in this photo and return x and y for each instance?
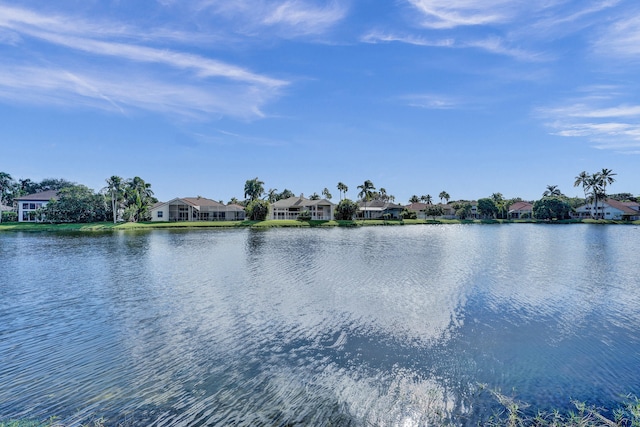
(120, 200)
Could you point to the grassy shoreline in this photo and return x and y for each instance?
(107, 226)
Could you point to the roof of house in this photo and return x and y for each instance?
(300, 201)
(378, 205)
(198, 202)
(627, 210)
(520, 206)
(419, 206)
(43, 196)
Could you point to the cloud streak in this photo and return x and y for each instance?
(206, 85)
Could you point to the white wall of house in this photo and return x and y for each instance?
(604, 211)
(161, 213)
(27, 208)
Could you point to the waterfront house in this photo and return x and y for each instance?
(196, 209)
(293, 207)
(28, 205)
(377, 209)
(520, 210)
(609, 209)
(419, 208)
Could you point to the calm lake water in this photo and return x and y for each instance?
(365, 326)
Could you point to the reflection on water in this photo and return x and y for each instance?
(365, 326)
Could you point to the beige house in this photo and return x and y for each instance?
(292, 207)
(520, 210)
(196, 209)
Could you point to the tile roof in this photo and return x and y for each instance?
(43, 196)
(621, 206)
(296, 201)
(520, 206)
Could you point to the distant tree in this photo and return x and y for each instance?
(463, 210)
(346, 210)
(414, 199)
(606, 178)
(327, 195)
(426, 199)
(272, 195)
(487, 208)
(115, 189)
(552, 191)
(444, 196)
(498, 200)
(366, 191)
(233, 201)
(408, 214)
(77, 204)
(314, 196)
(433, 211)
(552, 207)
(253, 188)
(583, 179)
(342, 189)
(138, 199)
(285, 194)
(7, 187)
(257, 210)
(53, 184)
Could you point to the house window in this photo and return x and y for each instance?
(160, 214)
(25, 206)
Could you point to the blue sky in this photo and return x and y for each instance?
(419, 96)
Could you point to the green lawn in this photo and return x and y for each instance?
(106, 226)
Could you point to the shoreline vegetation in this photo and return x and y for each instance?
(109, 226)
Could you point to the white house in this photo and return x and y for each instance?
(292, 207)
(28, 205)
(377, 209)
(610, 209)
(196, 209)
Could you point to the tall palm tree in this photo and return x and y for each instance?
(414, 199)
(444, 195)
(342, 188)
(606, 177)
(583, 180)
(115, 188)
(552, 191)
(138, 198)
(594, 184)
(253, 188)
(327, 195)
(498, 200)
(366, 191)
(272, 195)
(427, 199)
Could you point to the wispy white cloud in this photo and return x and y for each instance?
(621, 38)
(206, 86)
(454, 13)
(615, 127)
(285, 18)
(494, 45)
(432, 101)
(135, 92)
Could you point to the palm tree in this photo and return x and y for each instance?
(594, 184)
(444, 195)
(366, 191)
(138, 198)
(606, 177)
(326, 193)
(552, 191)
(426, 199)
(314, 196)
(272, 195)
(115, 188)
(342, 188)
(583, 180)
(254, 188)
(414, 199)
(498, 200)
